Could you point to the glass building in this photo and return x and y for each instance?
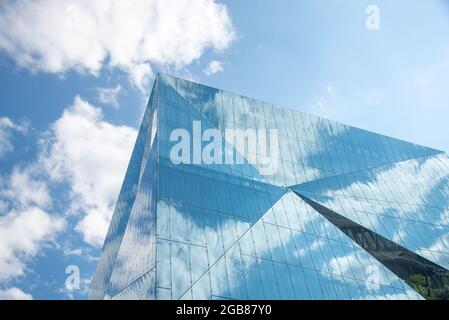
(347, 214)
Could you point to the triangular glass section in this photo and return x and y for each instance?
(427, 278)
(142, 288)
(406, 203)
(137, 254)
(178, 112)
(310, 147)
(141, 154)
(203, 232)
(292, 252)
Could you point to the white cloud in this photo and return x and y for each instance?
(73, 252)
(326, 105)
(360, 269)
(7, 128)
(350, 266)
(59, 35)
(109, 96)
(95, 223)
(22, 189)
(411, 170)
(24, 225)
(14, 294)
(3, 206)
(213, 67)
(91, 155)
(444, 217)
(407, 295)
(21, 234)
(417, 193)
(307, 250)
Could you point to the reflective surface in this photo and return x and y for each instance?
(426, 277)
(226, 231)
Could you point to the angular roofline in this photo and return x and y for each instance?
(162, 74)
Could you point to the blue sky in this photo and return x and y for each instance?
(75, 77)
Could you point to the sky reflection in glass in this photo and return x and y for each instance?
(226, 231)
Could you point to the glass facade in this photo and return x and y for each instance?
(347, 214)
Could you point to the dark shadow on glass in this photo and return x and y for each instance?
(425, 277)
